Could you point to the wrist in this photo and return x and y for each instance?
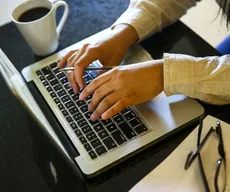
(126, 33)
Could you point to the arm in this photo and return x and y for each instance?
(149, 16)
(207, 79)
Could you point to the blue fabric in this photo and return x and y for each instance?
(224, 46)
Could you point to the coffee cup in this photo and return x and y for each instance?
(36, 20)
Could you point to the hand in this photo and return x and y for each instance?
(110, 51)
(124, 86)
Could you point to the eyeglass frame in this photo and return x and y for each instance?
(193, 154)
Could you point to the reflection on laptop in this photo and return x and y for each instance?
(97, 145)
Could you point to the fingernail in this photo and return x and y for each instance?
(93, 117)
(81, 97)
(90, 108)
(81, 85)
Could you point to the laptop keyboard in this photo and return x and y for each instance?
(100, 136)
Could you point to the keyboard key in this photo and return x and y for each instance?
(88, 98)
(101, 150)
(92, 154)
(71, 92)
(88, 114)
(54, 82)
(129, 133)
(69, 119)
(64, 80)
(58, 87)
(56, 70)
(73, 110)
(65, 113)
(87, 147)
(73, 125)
(91, 136)
(80, 103)
(86, 129)
(61, 93)
(130, 115)
(84, 108)
(127, 109)
(42, 78)
(69, 104)
(39, 73)
(118, 119)
(109, 143)
(75, 97)
(66, 85)
(77, 116)
(94, 122)
(49, 89)
(95, 143)
(65, 98)
(87, 78)
(60, 106)
(82, 123)
(140, 129)
(106, 122)
(78, 132)
(119, 138)
(103, 134)
(111, 127)
(60, 75)
(53, 65)
(45, 83)
(135, 122)
(53, 95)
(98, 127)
(46, 70)
(82, 139)
(57, 101)
(50, 77)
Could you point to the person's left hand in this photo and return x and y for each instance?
(124, 86)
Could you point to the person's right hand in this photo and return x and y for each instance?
(110, 51)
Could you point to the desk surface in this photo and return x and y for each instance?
(26, 154)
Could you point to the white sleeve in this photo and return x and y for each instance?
(149, 16)
(206, 79)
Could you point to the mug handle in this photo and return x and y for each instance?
(57, 4)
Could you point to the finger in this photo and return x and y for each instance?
(105, 104)
(70, 74)
(117, 107)
(100, 93)
(80, 69)
(85, 60)
(75, 86)
(95, 84)
(64, 59)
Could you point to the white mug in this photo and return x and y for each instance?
(41, 34)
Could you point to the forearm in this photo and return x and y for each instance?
(149, 16)
(126, 34)
(207, 79)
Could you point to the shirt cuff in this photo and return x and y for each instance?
(140, 20)
(179, 77)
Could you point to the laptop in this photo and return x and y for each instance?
(95, 146)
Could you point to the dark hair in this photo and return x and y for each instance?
(224, 6)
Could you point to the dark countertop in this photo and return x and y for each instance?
(26, 153)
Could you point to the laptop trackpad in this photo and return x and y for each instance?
(171, 112)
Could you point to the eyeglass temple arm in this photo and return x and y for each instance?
(192, 155)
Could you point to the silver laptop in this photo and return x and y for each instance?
(96, 146)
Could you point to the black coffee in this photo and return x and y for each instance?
(33, 14)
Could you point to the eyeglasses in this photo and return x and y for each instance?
(197, 154)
